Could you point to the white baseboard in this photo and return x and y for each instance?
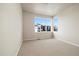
(29, 39)
(34, 39)
(69, 42)
(19, 47)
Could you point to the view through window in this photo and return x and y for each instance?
(56, 22)
(42, 24)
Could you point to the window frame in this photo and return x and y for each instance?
(44, 25)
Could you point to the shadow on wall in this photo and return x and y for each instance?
(52, 36)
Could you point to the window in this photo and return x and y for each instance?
(42, 24)
(55, 22)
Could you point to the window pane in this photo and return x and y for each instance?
(55, 22)
(42, 24)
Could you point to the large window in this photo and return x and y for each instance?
(42, 24)
(55, 22)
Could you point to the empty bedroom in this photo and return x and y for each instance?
(39, 29)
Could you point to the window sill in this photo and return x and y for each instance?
(44, 32)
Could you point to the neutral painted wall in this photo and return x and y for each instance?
(10, 28)
(69, 25)
(28, 29)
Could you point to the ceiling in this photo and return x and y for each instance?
(49, 9)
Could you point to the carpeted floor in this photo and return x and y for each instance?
(47, 47)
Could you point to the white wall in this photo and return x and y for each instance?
(10, 28)
(28, 29)
(69, 19)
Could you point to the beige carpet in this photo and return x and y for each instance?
(48, 47)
